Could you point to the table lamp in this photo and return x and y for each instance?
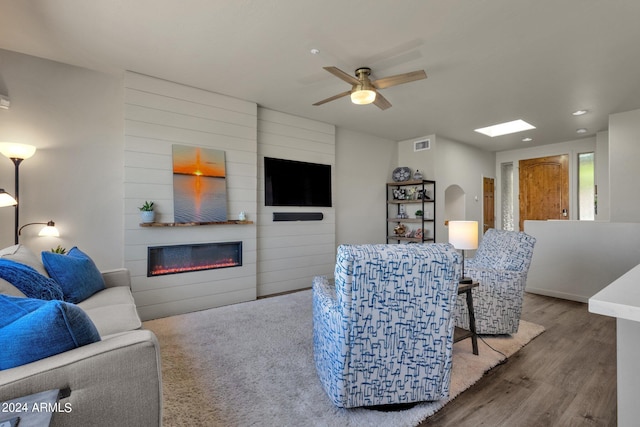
(463, 235)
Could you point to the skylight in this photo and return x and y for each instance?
(506, 128)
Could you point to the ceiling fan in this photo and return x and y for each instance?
(365, 91)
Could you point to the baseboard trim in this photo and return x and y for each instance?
(556, 294)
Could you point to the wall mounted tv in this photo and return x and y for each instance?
(294, 183)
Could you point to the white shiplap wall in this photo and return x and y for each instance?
(158, 114)
(291, 253)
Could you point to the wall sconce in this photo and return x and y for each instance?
(463, 235)
(49, 229)
(6, 199)
(17, 153)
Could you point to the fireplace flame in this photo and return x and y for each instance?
(158, 270)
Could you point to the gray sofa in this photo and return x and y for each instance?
(114, 382)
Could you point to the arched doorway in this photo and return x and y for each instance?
(454, 203)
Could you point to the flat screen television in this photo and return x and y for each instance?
(294, 183)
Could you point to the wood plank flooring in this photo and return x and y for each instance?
(564, 377)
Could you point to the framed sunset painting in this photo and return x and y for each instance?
(199, 184)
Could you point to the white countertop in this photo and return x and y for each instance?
(621, 298)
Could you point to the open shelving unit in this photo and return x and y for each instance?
(407, 197)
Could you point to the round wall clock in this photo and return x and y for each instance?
(400, 174)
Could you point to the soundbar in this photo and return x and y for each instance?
(298, 216)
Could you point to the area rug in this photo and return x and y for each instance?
(251, 364)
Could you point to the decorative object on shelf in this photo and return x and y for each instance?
(49, 229)
(399, 194)
(418, 234)
(417, 175)
(401, 174)
(412, 193)
(242, 216)
(17, 153)
(402, 214)
(147, 214)
(400, 229)
(463, 235)
(419, 213)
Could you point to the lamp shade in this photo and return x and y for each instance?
(463, 234)
(49, 230)
(6, 199)
(363, 97)
(14, 150)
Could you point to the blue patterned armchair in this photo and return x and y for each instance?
(384, 333)
(500, 266)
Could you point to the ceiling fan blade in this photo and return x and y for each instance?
(381, 102)
(399, 79)
(333, 98)
(342, 75)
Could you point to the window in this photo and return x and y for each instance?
(586, 187)
(506, 190)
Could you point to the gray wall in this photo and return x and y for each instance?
(74, 118)
(624, 153)
(451, 163)
(363, 166)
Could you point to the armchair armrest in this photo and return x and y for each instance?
(325, 293)
(497, 278)
(116, 381)
(116, 277)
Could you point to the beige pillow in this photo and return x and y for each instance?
(7, 288)
(23, 255)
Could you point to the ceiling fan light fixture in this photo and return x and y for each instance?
(363, 96)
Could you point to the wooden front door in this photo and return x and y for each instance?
(544, 188)
(489, 215)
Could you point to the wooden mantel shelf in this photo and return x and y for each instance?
(192, 224)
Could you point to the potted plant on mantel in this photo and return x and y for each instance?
(146, 212)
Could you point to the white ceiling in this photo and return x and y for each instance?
(486, 61)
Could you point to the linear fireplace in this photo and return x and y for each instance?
(174, 259)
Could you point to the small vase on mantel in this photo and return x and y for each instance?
(417, 175)
(147, 216)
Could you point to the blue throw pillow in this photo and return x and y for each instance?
(75, 272)
(29, 281)
(32, 329)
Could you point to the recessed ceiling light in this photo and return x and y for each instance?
(505, 128)
(314, 51)
(580, 112)
(527, 139)
(581, 130)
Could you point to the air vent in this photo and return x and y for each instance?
(423, 144)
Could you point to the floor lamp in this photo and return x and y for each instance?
(463, 235)
(17, 153)
(6, 199)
